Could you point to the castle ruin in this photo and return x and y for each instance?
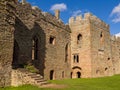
(82, 49)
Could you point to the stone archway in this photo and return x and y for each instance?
(76, 72)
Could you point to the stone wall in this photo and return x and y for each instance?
(80, 46)
(100, 48)
(84, 48)
(115, 42)
(90, 40)
(7, 9)
(51, 36)
(22, 77)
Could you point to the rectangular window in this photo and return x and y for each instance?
(76, 58)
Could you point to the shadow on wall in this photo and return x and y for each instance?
(26, 42)
(38, 49)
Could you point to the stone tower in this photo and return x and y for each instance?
(90, 47)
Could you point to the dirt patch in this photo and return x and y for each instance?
(56, 86)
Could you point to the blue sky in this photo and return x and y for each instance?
(107, 10)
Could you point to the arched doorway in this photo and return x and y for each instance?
(51, 74)
(76, 72)
(78, 75)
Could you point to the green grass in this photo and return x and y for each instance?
(31, 68)
(105, 83)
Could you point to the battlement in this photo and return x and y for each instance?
(88, 17)
(115, 38)
(80, 18)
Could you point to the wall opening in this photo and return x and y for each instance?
(63, 74)
(76, 58)
(101, 38)
(97, 71)
(78, 75)
(66, 52)
(15, 62)
(51, 74)
(76, 72)
(35, 48)
(106, 69)
(101, 34)
(71, 74)
(108, 58)
(52, 40)
(79, 39)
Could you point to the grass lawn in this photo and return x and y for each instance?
(105, 83)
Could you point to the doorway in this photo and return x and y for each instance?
(78, 75)
(51, 74)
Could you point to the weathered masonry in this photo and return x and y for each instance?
(30, 37)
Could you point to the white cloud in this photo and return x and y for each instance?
(117, 35)
(116, 19)
(76, 13)
(116, 13)
(60, 6)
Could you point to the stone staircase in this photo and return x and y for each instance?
(22, 76)
(39, 80)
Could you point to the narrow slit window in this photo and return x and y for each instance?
(35, 48)
(66, 52)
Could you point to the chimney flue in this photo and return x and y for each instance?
(57, 14)
(23, 1)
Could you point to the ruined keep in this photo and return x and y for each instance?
(90, 47)
(82, 49)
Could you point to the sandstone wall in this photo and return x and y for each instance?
(22, 77)
(94, 50)
(80, 46)
(7, 8)
(101, 48)
(115, 42)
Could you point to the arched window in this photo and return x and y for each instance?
(52, 40)
(79, 39)
(35, 48)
